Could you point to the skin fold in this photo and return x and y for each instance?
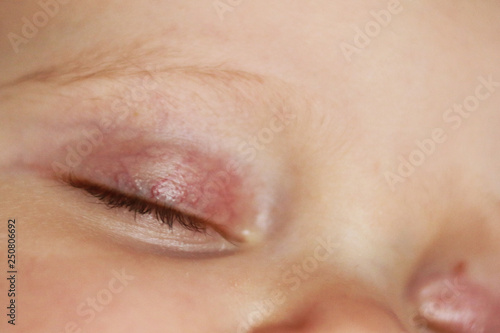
(344, 154)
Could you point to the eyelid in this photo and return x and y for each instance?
(213, 185)
(164, 214)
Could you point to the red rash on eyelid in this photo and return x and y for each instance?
(163, 167)
(211, 193)
(191, 181)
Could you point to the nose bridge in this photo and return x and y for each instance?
(336, 285)
(339, 275)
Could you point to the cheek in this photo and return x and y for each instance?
(67, 282)
(54, 293)
(72, 281)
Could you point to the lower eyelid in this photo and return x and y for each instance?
(146, 233)
(175, 242)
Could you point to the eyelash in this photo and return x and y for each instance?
(114, 199)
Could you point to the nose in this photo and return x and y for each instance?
(337, 314)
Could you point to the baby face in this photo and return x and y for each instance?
(250, 166)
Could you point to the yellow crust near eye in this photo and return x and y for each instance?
(251, 237)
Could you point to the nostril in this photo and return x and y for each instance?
(452, 302)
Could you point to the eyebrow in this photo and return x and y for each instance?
(137, 61)
(131, 61)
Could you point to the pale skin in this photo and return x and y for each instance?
(362, 169)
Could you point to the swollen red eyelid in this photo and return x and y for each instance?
(195, 176)
(209, 195)
(193, 182)
(212, 194)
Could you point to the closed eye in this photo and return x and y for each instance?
(116, 199)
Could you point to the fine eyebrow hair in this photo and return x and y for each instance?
(106, 72)
(113, 65)
(133, 60)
